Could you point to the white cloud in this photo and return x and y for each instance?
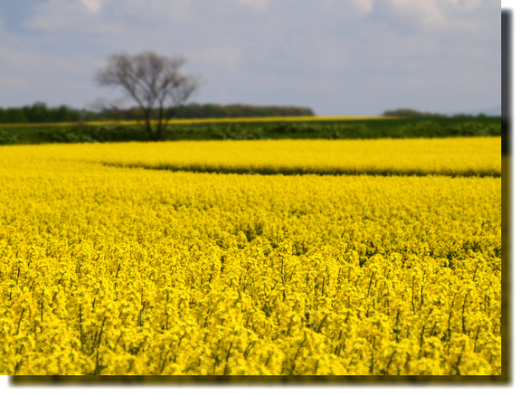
(443, 15)
(78, 15)
(104, 16)
(358, 7)
(424, 11)
(92, 5)
(468, 5)
(364, 6)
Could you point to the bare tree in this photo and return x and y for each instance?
(153, 81)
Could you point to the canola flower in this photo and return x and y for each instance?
(114, 270)
(476, 156)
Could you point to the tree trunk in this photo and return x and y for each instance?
(149, 128)
(160, 124)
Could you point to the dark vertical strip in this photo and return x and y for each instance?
(517, 107)
(510, 246)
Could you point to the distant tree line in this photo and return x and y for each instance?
(40, 113)
(197, 111)
(236, 111)
(411, 113)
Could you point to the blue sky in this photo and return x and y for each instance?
(338, 57)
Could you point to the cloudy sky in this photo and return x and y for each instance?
(338, 57)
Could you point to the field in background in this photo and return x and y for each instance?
(259, 120)
(256, 129)
(109, 269)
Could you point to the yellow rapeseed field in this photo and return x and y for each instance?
(448, 156)
(115, 270)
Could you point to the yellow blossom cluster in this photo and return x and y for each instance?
(115, 270)
(476, 156)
